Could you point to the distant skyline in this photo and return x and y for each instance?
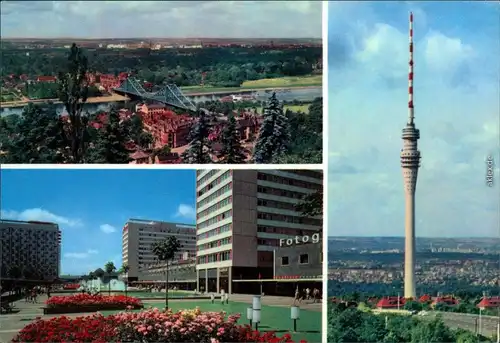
(92, 206)
(165, 19)
(456, 109)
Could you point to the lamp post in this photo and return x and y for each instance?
(256, 306)
(295, 315)
(249, 315)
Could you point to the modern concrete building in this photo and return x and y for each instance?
(30, 250)
(241, 217)
(138, 236)
(410, 162)
(181, 274)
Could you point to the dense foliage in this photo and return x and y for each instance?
(354, 325)
(146, 326)
(218, 66)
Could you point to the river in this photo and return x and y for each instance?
(300, 94)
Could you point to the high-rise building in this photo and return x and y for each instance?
(30, 250)
(138, 236)
(410, 162)
(241, 217)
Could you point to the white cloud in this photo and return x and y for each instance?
(186, 211)
(39, 214)
(81, 255)
(458, 126)
(164, 19)
(106, 228)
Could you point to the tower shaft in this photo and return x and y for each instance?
(410, 162)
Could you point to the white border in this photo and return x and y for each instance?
(324, 310)
(170, 166)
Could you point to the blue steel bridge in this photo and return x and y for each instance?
(171, 95)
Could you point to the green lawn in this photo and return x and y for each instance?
(274, 318)
(281, 82)
(139, 294)
(294, 108)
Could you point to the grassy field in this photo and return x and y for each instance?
(274, 318)
(294, 108)
(281, 82)
(139, 294)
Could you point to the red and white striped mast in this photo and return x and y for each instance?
(410, 75)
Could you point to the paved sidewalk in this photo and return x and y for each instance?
(25, 313)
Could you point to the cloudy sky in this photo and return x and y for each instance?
(92, 206)
(125, 19)
(456, 108)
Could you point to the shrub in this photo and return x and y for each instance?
(150, 325)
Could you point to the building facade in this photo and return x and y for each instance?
(241, 217)
(138, 236)
(30, 250)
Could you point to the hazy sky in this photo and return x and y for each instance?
(456, 109)
(121, 19)
(92, 206)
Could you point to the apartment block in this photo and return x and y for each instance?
(138, 236)
(30, 250)
(242, 215)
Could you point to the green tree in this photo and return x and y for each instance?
(124, 270)
(165, 251)
(73, 93)
(110, 144)
(37, 136)
(232, 150)
(312, 205)
(274, 134)
(109, 268)
(199, 148)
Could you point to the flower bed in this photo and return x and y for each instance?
(150, 325)
(79, 303)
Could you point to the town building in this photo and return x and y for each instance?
(167, 127)
(47, 79)
(396, 303)
(138, 235)
(109, 81)
(181, 274)
(30, 250)
(242, 216)
(489, 302)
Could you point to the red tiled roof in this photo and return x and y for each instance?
(489, 302)
(138, 155)
(46, 78)
(391, 302)
(447, 300)
(425, 298)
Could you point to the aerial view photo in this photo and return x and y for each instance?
(147, 82)
(413, 196)
(135, 255)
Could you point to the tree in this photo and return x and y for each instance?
(37, 136)
(73, 93)
(199, 148)
(311, 205)
(274, 134)
(165, 251)
(232, 150)
(124, 270)
(110, 146)
(109, 267)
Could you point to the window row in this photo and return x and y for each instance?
(281, 192)
(214, 244)
(289, 219)
(289, 181)
(216, 257)
(214, 183)
(216, 231)
(216, 219)
(215, 195)
(216, 207)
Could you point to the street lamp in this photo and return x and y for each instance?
(295, 315)
(249, 315)
(256, 306)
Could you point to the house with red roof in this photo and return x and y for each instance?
(489, 302)
(425, 298)
(447, 300)
(391, 303)
(48, 79)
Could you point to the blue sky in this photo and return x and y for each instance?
(91, 206)
(128, 19)
(456, 99)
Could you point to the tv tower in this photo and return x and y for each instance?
(410, 162)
